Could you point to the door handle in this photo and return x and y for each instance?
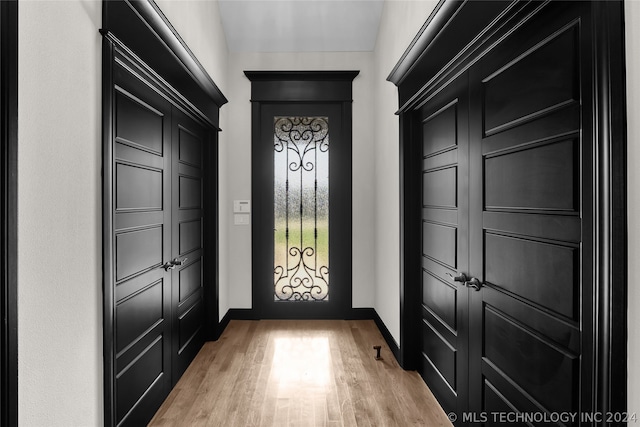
(473, 283)
(460, 277)
(176, 262)
(170, 265)
(469, 282)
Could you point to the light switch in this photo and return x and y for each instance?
(241, 219)
(241, 206)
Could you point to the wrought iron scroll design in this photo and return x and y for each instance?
(302, 273)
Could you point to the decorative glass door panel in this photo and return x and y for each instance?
(301, 211)
(301, 208)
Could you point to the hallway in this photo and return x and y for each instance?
(299, 373)
(62, 297)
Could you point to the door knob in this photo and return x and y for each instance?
(469, 282)
(177, 262)
(460, 277)
(473, 283)
(170, 265)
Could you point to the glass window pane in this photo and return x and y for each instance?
(301, 208)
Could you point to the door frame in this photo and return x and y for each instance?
(446, 46)
(137, 34)
(291, 88)
(9, 212)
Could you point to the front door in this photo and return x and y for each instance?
(302, 212)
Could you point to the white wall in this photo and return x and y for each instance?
(59, 201)
(59, 218)
(632, 18)
(239, 163)
(401, 21)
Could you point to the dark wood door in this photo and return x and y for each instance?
(530, 189)
(187, 305)
(141, 244)
(445, 246)
(302, 211)
(158, 174)
(160, 121)
(506, 196)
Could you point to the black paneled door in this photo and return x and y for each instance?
(187, 305)
(142, 245)
(158, 247)
(445, 244)
(160, 113)
(304, 219)
(530, 192)
(301, 156)
(506, 261)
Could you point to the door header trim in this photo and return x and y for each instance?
(452, 39)
(301, 86)
(141, 25)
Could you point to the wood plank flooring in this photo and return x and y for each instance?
(299, 373)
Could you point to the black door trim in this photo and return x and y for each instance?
(428, 64)
(9, 213)
(139, 37)
(277, 88)
(143, 28)
(610, 119)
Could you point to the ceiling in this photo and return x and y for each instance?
(301, 25)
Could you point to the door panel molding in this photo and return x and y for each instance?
(9, 212)
(445, 48)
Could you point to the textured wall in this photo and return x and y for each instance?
(60, 200)
(59, 215)
(401, 21)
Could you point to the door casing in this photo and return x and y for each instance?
(9, 212)
(285, 91)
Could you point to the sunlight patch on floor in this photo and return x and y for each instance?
(301, 362)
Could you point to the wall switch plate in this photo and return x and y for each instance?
(241, 219)
(241, 206)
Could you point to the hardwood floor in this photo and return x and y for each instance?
(299, 373)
